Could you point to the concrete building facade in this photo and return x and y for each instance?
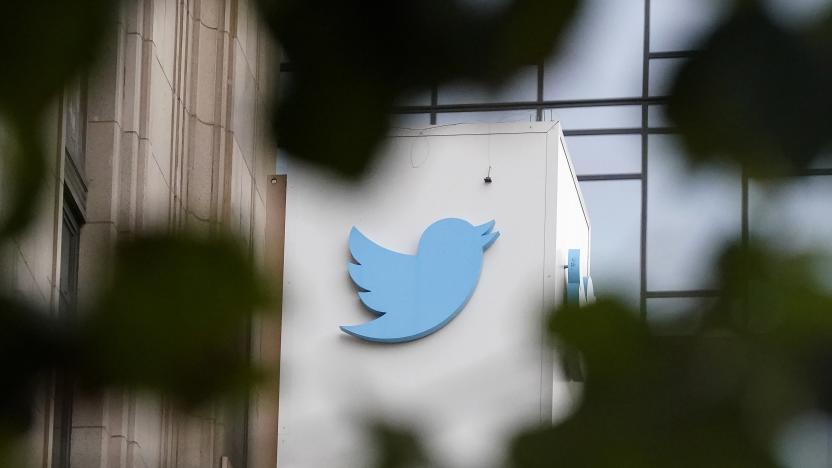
(165, 133)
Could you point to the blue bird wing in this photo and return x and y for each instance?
(387, 277)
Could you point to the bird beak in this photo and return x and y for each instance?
(488, 237)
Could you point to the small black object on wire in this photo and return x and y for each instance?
(487, 178)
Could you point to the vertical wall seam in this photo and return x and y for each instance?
(645, 91)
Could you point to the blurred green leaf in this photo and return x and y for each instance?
(44, 44)
(174, 318)
(175, 311)
(359, 57)
(757, 94)
(787, 319)
(397, 447)
(719, 396)
(648, 401)
(23, 175)
(29, 345)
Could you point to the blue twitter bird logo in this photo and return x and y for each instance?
(418, 294)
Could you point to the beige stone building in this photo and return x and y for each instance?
(166, 133)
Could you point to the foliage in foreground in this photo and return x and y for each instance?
(171, 318)
(719, 391)
(756, 95)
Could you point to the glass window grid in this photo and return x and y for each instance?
(649, 104)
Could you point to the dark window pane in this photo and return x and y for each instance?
(657, 117)
(521, 87)
(415, 98)
(676, 315)
(662, 74)
(615, 213)
(605, 154)
(601, 55)
(68, 289)
(798, 13)
(410, 120)
(690, 217)
(682, 24)
(596, 117)
(486, 117)
(75, 115)
(796, 218)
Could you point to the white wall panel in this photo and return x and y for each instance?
(484, 375)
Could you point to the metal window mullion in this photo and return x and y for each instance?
(540, 81)
(434, 103)
(672, 54)
(529, 105)
(645, 81)
(683, 294)
(608, 177)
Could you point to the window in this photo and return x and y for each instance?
(75, 119)
(602, 53)
(670, 224)
(68, 294)
(605, 154)
(690, 217)
(75, 193)
(615, 212)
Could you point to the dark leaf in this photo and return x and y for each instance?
(397, 447)
(756, 94)
(174, 318)
(649, 401)
(23, 174)
(44, 44)
(359, 57)
(31, 346)
(719, 396)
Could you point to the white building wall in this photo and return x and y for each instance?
(488, 372)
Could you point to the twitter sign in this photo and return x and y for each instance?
(416, 295)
